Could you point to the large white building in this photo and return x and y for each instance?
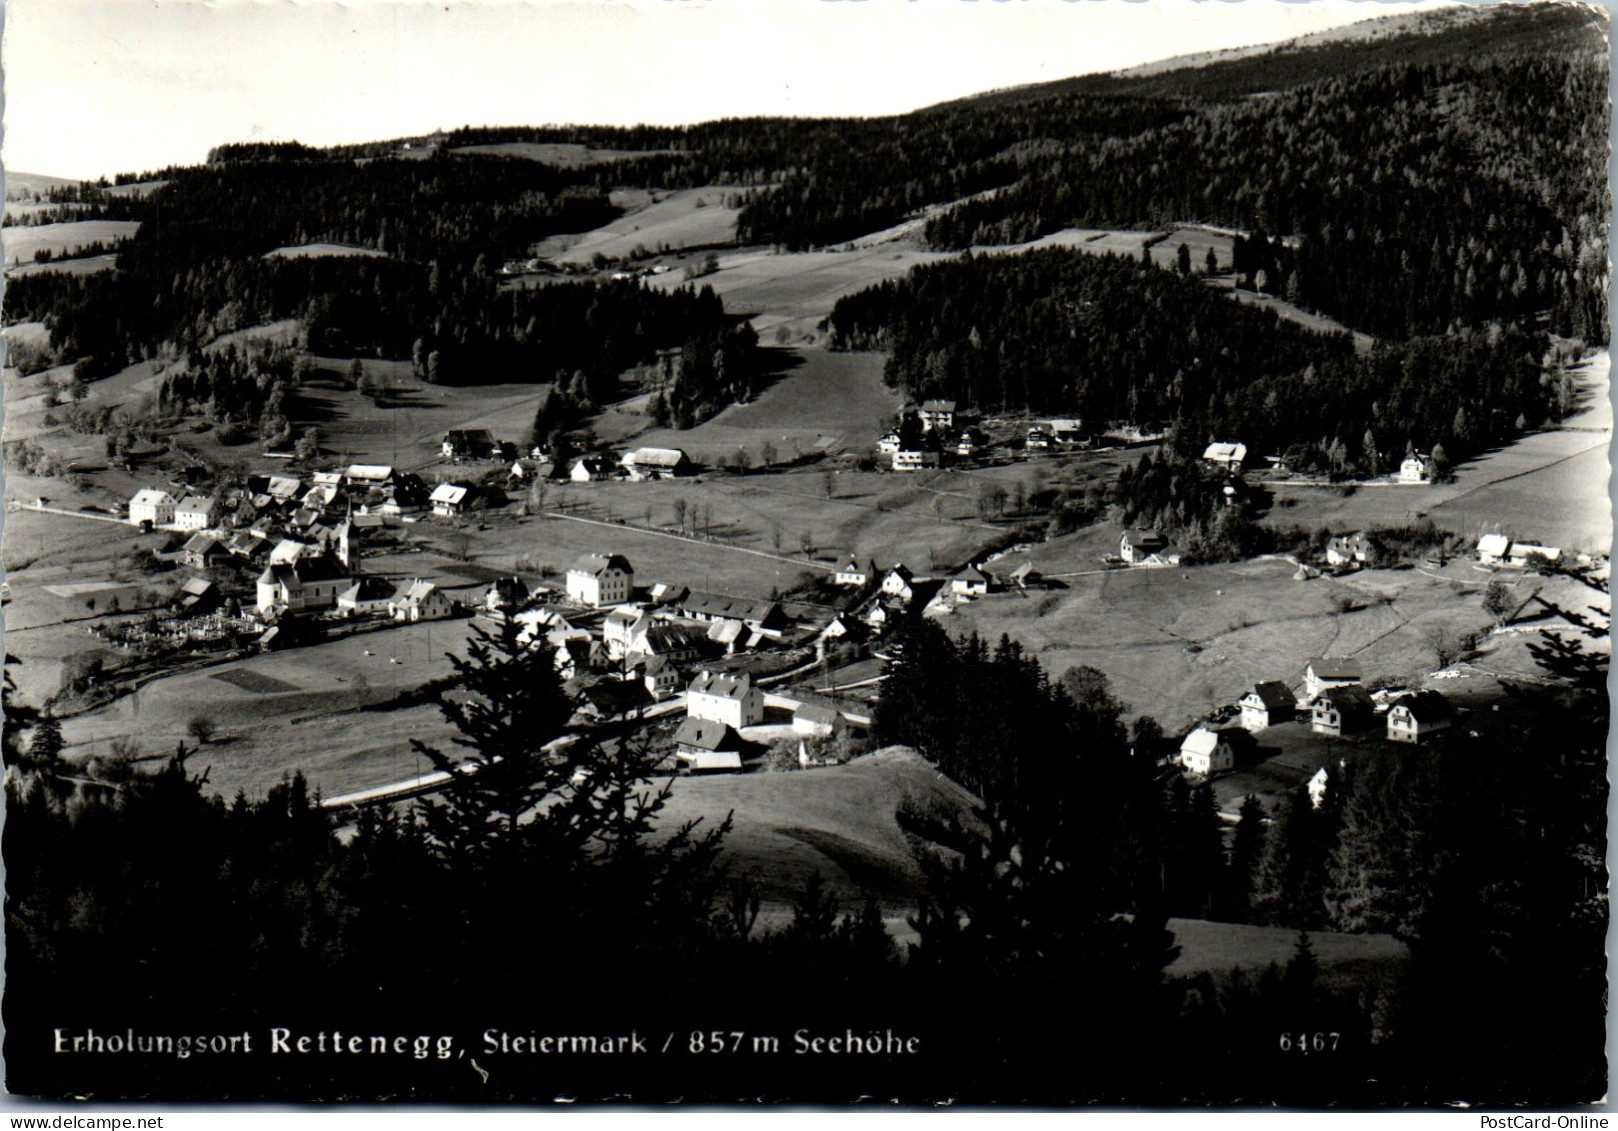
(600, 579)
(728, 699)
(152, 505)
(194, 512)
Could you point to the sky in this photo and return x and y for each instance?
(96, 87)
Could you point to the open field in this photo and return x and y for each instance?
(264, 733)
(84, 265)
(838, 821)
(667, 222)
(323, 250)
(21, 243)
(565, 155)
(824, 402)
(1549, 486)
(21, 185)
(1178, 642)
(134, 188)
(797, 291)
(1215, 948)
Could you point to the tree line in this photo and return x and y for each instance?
(1485, 861)
(1113, 340)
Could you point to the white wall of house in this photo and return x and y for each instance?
(609, 587)
(742, 711)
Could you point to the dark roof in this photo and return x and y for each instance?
(597, 564)
(311, 567)
(1336, 667)
(369, 588)
(672, 638)
(470, 436)
(201, 543)
(723, 686)
(1274, 695)
(699, 604)
(1427, 707)
(1350, 699)
(1145, 539)
(706, 734)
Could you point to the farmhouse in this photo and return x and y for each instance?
(937, 413)
(1069, 433)
(1037, 440)
(728, 699)
(1230, 457)
(1138, 545)
(284, 488)
(1493, 548)
(660, 676)
(855, 574)
(420, 600)
(1269, 703)
(600, 579)
(448, 499)
(1416, 468)
(913, 459)
(368, 476)
(1353, 549)
(669, 642)
(577, 654)
(970, 582)
(621, 626)
(707, 746)
(469, 443)
(506, 595)
(366, 596)
(1026, 576)
(1342, 710)
(541, 622)
(194, 512)
(289, 550)
(762, 616)
(899, 582)
(1206, 751)
(1524, 554)
(204, 550)
(197, 595)
(657, 463)
(592, 469)
(314, 581)
(151, 505)
(889, 444)
(816, 721)
(248, 545)
(1417, 716)
(1330, 672)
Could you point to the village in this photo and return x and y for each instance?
(722, 683)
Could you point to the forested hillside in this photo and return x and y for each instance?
(1110, 339)
(197, 268)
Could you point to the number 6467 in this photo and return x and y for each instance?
(1307, 1043)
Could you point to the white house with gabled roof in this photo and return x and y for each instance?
(728, 699)
(600, 579)
(153, 505)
